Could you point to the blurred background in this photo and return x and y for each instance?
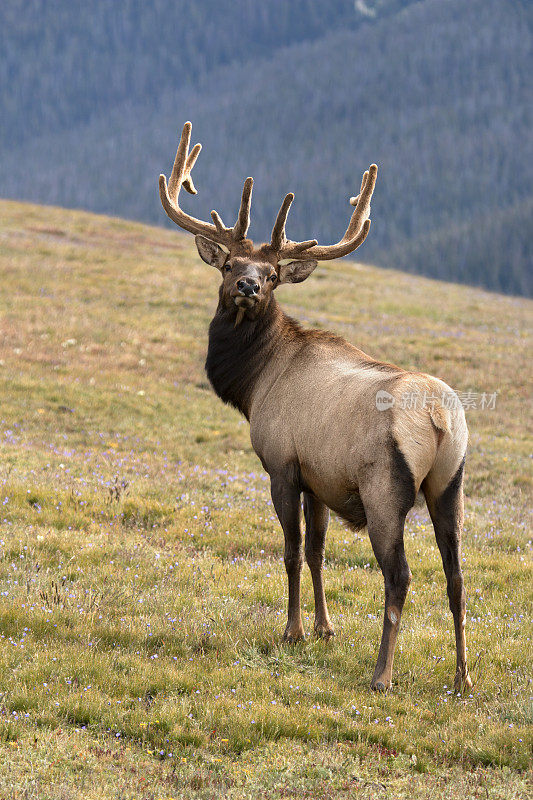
(302, 95)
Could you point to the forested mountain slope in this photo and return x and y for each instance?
(63, 62)
(436, 92)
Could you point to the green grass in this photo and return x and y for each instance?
(142, 587)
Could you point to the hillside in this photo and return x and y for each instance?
(436, 92)
(142, 587)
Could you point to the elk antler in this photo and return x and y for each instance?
(356, 232)
(355, 235)
(181, 176)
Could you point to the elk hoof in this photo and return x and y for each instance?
(462, 682)
(325, 632)
(293, 636)
(379, 686)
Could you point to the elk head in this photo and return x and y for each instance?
(249, 273)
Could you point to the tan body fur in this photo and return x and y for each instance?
(320, 411)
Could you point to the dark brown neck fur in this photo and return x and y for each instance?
(237, 355)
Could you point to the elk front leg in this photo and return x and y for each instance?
(316, 525)
(286, 499)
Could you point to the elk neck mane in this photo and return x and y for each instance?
(236, 356)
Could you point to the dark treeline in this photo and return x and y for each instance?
(62, 62)
(437, 92)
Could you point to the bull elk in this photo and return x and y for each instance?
(310, 399)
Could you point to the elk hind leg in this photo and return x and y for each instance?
(446, 511)
(386, 536)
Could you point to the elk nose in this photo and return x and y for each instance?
(247, 286)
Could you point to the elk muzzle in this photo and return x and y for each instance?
(245, 293)
(247, 287)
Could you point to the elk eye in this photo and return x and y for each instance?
(273, 277)
(227, 268)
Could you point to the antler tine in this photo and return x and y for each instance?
(299, 247)
(354, 200)
(362, 204)
(180, 176)
(278, 237)
(217, 219)
(178, 168)
(356, 232)
(240, 229)
(279, 241)
(187, 183)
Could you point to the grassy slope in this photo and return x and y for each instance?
(142, 591)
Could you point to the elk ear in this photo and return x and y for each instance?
(210, 252)
(295, 271)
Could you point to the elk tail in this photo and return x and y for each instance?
(440, 418)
